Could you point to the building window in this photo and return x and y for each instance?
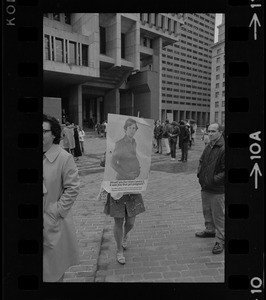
(85, 60)
(223, 84)
(223, 103)
(223, 93)
(56, 17)
(217, 77)
(68, 19)
(223, 118)
(102, 40)
(47, 47)
(218, 51)
(218, 68)
(217, 85)
(145, 42)
(123, 45)
(59, 54)
(216, 115)
(72, 53)
(216, 94)
(216, 104)
(218, 59)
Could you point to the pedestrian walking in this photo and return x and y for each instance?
(60, 190)
(205, 136)
(187, 123)
(211, 174)
(68, 138)
(193, 133)
(173, 137)
(81, 138)
(166, 130)
(158, 135)
(184, 141)
(102, 129)
(105, 128)
(77, 150)
(98, 128)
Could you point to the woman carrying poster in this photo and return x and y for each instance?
(125, 205)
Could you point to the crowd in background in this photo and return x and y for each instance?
(168, 133)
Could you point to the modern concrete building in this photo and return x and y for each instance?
(100, 63)
(186, 71)
(217, 112)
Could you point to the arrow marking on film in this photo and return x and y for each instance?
(256, 22)
(257, 172)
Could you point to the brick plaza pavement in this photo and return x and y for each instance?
(162, 246)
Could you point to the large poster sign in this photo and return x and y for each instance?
(128, 154)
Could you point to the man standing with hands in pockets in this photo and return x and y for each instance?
(211, 174)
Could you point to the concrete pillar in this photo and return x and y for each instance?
(156, 94)
(111, 102)
(75, 104)
(98, 116)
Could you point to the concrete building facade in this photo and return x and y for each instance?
(217, 110)
(101, 63)
(186, 71)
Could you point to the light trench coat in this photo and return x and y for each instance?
(60, 190)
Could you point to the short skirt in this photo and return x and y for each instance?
(128, 205)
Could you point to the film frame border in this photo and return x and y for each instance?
(26, 168)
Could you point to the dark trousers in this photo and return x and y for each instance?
(184, 150)
(172, 145)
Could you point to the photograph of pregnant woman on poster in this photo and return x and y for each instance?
(128, 153)
(124, 159)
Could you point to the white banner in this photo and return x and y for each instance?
(128, 154)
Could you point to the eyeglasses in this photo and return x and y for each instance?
(45, 130)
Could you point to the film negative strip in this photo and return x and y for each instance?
(22, 164)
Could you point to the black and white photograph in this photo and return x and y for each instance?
(128, 153)
(102, 74)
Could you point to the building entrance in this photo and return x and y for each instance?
(92, 111)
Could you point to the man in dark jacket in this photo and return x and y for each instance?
(183, 140)
(211, 174)
(158, 135)
(173, 136)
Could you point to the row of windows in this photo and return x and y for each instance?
(65, 51)
(218, 76)
(185, 103)
(64, 18)
(217, 94)
(216, 117)
(218, 68)
(217, 103)
(217, 86)
(160, 21)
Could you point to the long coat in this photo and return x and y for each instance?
(60, 190)
(77, 150)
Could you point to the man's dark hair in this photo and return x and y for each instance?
(130, 122)
(55, 127)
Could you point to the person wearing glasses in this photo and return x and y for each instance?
(60, 190)
(211, 174)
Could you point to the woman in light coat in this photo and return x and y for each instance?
(60, 190)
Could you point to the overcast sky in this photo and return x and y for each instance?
(218, 21)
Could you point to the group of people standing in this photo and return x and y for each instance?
(72, 139)
(101, 128)
(61, 184)
(171, 133)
